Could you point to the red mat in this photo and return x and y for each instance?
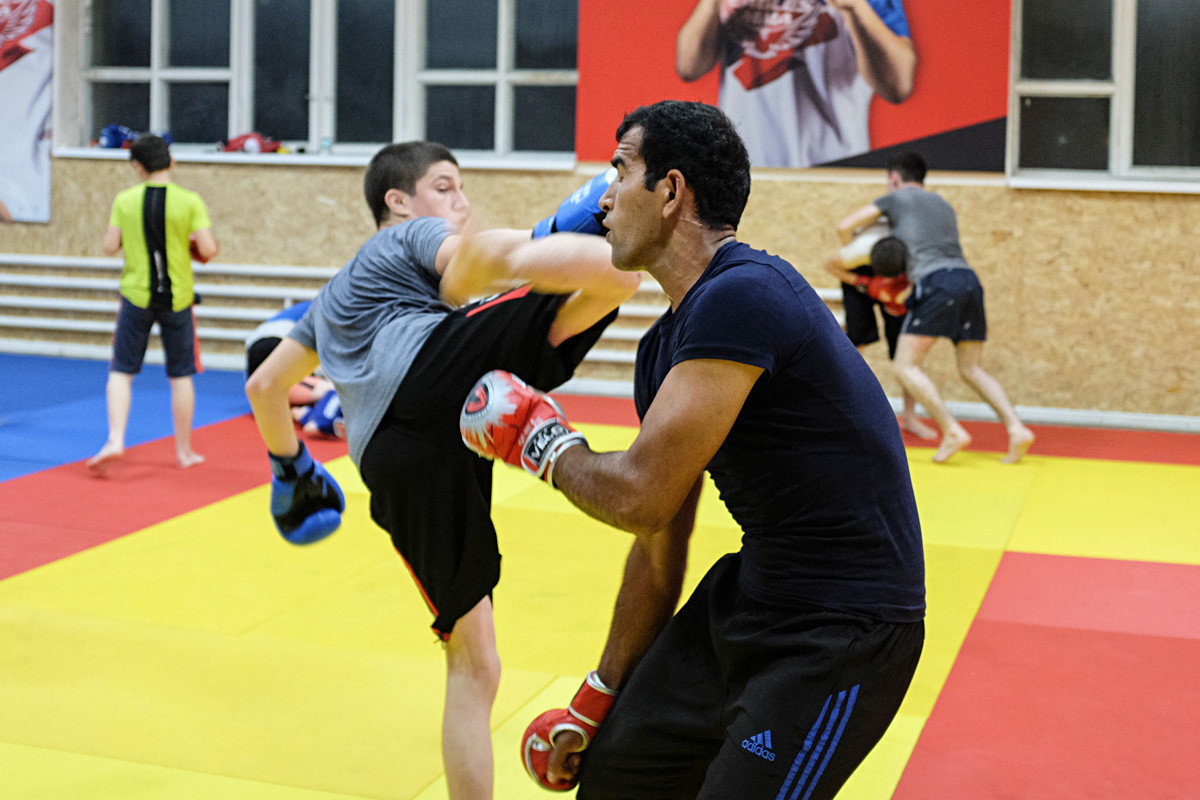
(1066, 683)
(1161, 447)
(48, 515)
(57, 512)
(1044, 712)
(1069, 679)
(1098, 594)
(598, 410)
(1109, 444)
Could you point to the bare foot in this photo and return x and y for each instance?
(100, 462)
(1019, 441)
(916, 427)
(188, 459)
(955, 439)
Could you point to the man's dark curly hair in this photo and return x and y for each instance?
(700, 142)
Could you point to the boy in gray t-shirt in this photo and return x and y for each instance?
(395, 334)
(947, 302)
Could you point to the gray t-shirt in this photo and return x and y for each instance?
(369, 321)
(928, 227)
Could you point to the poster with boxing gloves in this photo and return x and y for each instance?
(807, 82)
(26, 73)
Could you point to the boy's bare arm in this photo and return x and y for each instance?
(579, 265)
(837, 268)
(112, 241)
(856, 221)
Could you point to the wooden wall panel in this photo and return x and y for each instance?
(1093, 298)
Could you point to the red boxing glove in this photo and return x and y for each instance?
(587, 710)
(887, 291)
(504, 418)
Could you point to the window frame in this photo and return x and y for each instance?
(158, 75)
(73, 78)
(1122, 174)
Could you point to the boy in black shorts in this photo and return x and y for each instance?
(160, 226)
(391, 333)
(851, 264)
(947, 303)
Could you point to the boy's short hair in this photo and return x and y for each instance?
(400, 166)
(910, 166)
(889, 257)
(151, 151)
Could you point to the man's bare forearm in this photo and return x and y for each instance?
(649, 593)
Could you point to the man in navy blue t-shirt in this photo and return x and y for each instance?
(788, 662)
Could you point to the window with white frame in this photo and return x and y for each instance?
(159, 65)
(1106, 90)
(496, 77)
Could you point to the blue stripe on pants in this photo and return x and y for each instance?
(809, 755)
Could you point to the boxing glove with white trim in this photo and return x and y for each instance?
(585, 714)
(504, 418)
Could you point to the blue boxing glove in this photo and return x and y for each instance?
(325, 416)
(306, 501)
(115, 136)
(579, 213)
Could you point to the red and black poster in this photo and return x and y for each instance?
(807, 82)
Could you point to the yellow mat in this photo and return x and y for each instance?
(206, 658)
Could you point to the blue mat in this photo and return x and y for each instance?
(52, 410)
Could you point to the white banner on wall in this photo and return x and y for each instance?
(26, 72)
